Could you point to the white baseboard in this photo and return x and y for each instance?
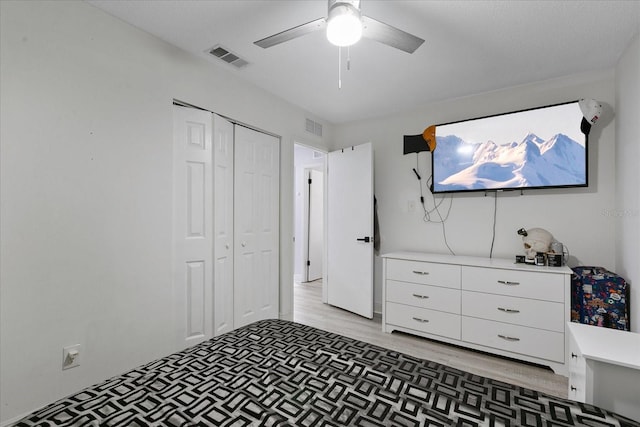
(281, 316)
(377, 307)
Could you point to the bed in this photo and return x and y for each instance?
(280, 373)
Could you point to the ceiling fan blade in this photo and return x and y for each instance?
(292, 33)
(391, 36)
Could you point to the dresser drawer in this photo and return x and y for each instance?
(423, 320)
(425, 273)
(518, 311)
(513, 338)
(517, 283)
(424, 296)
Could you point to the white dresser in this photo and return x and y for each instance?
(604, 368)
(493, 305)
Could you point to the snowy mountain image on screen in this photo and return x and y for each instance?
(532, 162)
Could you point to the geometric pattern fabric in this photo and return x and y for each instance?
(280, 373)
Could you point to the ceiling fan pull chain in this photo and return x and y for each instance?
(339, 68)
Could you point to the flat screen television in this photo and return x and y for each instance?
(529, 149)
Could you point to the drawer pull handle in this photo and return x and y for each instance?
(421, 296)
(508, 338)
(508, 310)
(417, 319)
(506, 282)
(422, 273)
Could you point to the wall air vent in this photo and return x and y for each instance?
(227, 56)
(313, 127)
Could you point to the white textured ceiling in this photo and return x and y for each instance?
(470, 47)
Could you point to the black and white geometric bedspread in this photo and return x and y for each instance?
(279, 373)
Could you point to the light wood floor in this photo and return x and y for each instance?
(309, 310)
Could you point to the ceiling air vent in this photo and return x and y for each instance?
(227, 56)
(313, 127)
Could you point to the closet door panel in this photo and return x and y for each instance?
(223, 224)
(256, 226)
(268, 199)
(192, 225)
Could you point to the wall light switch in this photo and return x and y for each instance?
(71, 356)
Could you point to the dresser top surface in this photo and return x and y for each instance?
(475, 262)
(607, 345)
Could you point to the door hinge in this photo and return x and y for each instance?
(308, 262)
(309, 180)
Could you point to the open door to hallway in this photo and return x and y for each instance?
(349, 278)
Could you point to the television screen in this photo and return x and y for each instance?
(537, 148)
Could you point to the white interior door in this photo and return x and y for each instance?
(223, 224)
(350, 229)
(256, 226)
(192, 225)
(315, 229)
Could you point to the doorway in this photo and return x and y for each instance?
(309, 196)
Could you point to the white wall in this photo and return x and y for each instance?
(86, 142)
(573, 216)
(626, 214)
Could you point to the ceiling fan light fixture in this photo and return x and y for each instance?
(344, 25)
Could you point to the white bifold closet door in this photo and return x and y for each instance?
(246, 225)
(192, 225)
(225, 225)
(256, 226)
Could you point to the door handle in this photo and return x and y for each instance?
(364, 239)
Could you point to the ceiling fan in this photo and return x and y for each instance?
(345, 24)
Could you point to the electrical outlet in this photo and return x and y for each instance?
(411, 206)
(71, 356)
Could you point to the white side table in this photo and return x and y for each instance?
(604, 368)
